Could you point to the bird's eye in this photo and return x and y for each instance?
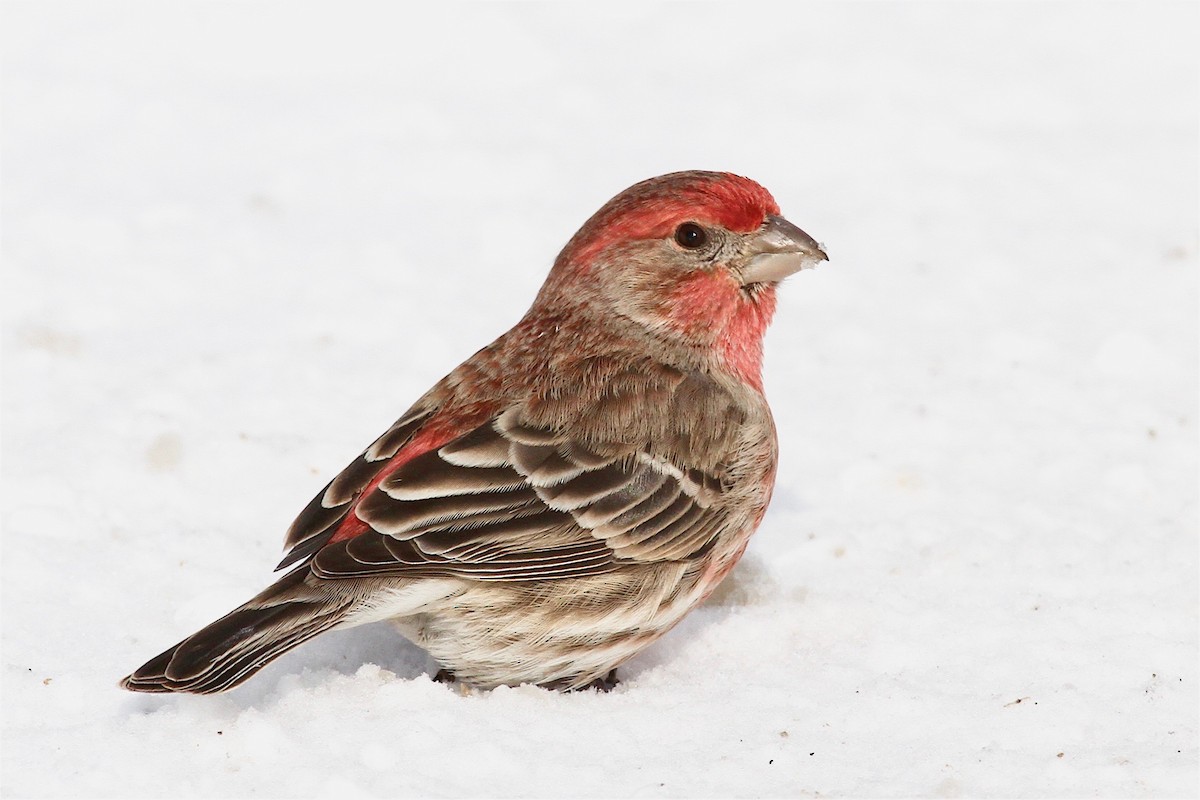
(691, 236)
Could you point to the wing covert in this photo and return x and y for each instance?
(511, 500)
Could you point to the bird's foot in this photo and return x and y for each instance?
(444, 676)
(605, 684)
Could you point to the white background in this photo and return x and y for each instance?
(240, 239)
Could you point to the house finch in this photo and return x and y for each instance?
(571, 491)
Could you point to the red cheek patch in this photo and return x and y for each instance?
(712, 306)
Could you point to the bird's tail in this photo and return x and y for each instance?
(239, 644)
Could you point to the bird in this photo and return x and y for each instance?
(571, 491)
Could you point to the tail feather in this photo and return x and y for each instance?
(239, 644)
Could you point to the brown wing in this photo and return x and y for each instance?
(513, 501)
(315, 525)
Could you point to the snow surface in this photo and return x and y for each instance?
(239, 239)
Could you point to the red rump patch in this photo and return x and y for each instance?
(653, 209)
(432, 435)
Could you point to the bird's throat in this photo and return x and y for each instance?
(712, 308)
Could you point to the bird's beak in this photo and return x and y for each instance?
(777, 250)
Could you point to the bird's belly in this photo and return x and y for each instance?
(567, 633)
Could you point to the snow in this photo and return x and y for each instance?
(239, 239)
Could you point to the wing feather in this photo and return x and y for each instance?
(518, 499)
(316, 524)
